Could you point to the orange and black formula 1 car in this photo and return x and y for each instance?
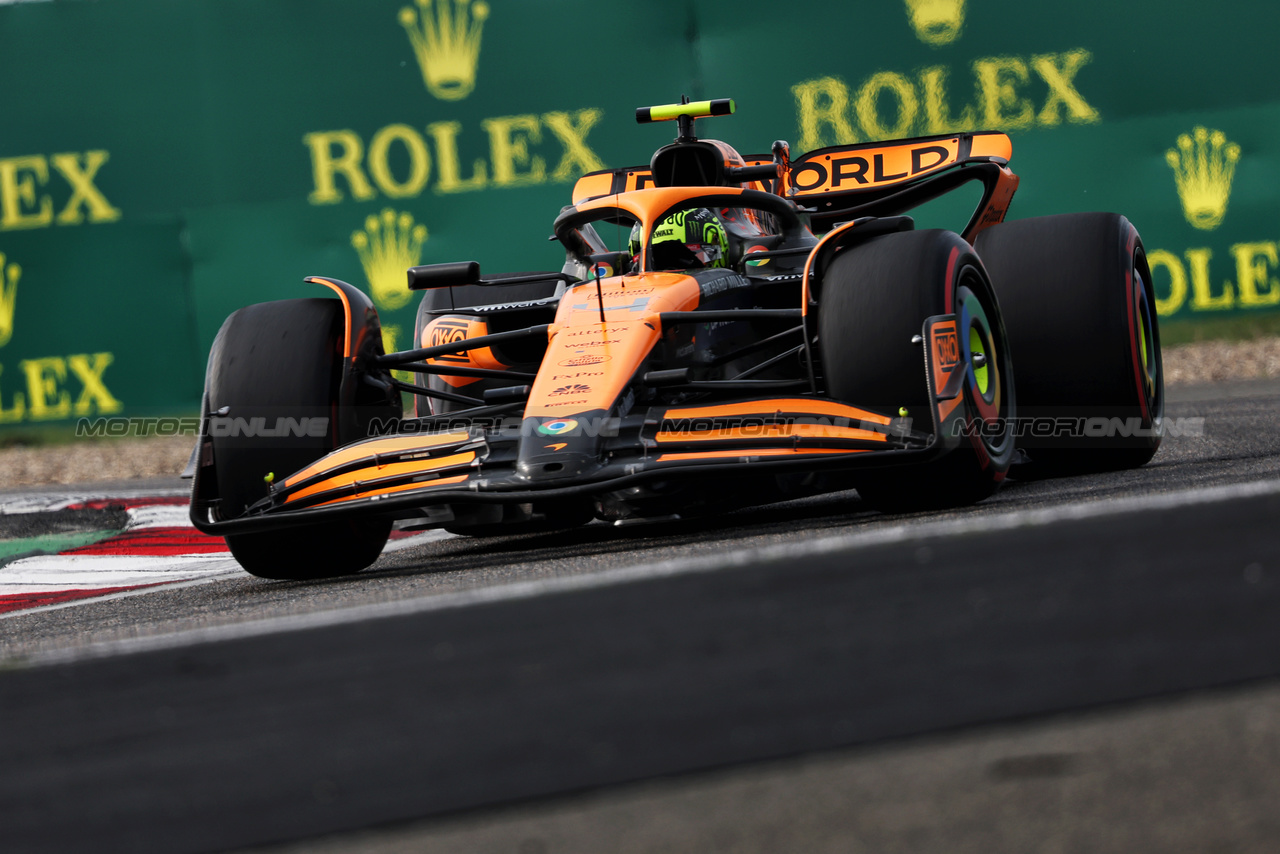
(725, 331)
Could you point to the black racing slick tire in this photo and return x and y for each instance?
(1080, 309)
(872, 306)
(277, 365)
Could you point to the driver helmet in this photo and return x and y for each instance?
(687, 240)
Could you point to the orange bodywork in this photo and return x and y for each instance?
(944, 356)
(649, 205)
(601, 184)
(346, 309)
(375, 447)
(771, 431)
(448, 329)
(997, 206)
(387, 470)
(833, 237)
(589, 363)
(991, 145)
(690, 456)
(807, 405)
(391, 490)
(592, 186)
(841, 171)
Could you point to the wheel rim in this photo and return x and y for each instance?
(984, 356)
(978, 361)
(1146, 336)
(981, 354)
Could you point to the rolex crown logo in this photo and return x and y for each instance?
(388, 246)
(1204, 164)
(9, 275)
(446, 40)
(936, 22)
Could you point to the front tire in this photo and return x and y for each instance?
(875, 298)
(278, 365)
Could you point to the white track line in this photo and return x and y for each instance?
(53, 573)
(908, 531)
(159, 516)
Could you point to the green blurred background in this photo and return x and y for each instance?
(163, 163)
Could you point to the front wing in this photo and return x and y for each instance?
(468, 462)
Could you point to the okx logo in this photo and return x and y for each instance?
(946, 348)
(1204, 164)
(446, 40)
(9, 275)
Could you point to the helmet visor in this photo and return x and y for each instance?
(670, 255)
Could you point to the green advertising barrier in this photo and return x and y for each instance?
(163, 164)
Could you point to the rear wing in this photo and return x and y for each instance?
(845, 182)
(868, 179)
(844, 170)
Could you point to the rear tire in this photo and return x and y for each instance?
(1078, 300)
(875, 298)
(273, 361)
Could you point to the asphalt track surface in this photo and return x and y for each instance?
(1081, 664)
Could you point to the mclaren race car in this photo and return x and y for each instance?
(726, 331)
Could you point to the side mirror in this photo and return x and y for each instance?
(431, 276)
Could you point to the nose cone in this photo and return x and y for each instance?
(561, 448)
(546, 467)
